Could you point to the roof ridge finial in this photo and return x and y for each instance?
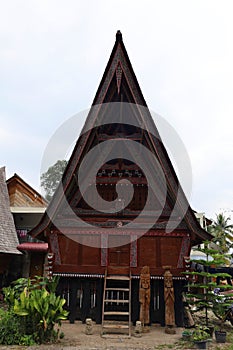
(118, 36)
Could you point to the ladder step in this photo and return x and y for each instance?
(120, 313)
(116, 281)
(118, 289)
(116, 301)
(116, 326)
(118, 278)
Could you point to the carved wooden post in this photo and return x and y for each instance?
(144, 296)
(50, 259)
(169, 299)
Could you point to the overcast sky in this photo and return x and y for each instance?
(53, 54)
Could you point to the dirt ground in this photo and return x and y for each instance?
(156, 336)
(76, 339)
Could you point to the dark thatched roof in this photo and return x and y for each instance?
(8, 235)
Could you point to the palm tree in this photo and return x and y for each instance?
(222, 231)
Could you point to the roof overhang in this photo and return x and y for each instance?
(29, 210)
(33, 246)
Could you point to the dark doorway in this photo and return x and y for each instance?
(36, 266)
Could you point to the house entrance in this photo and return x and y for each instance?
(119, 255)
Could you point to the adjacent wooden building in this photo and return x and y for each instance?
(8, 235)
(82, 252)
(27, 207)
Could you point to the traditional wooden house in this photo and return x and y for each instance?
(8, 235)
(27, 207)
(82, 250)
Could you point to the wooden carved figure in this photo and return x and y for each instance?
(144, 296)
(169, 299)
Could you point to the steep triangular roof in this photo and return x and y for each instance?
(119, 66)
(119, 84)
(8, 236)
(21, 194)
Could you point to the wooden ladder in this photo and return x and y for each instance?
(116, 311)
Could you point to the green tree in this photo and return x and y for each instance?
(222, 231)
(51, 178)
(203, 282)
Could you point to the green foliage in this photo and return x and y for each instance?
(13, 291)
(201, 294)
(200, 333)
(9, 296)
(51, 283)
(51, 178)
(11, 330)
(222, 231)
(187, 334)
(37, 308)
(43, 310)
(62, 335)
(221, 307)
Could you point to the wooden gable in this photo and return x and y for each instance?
(80, 247)
(21, 194)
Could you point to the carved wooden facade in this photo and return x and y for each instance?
(82, 253)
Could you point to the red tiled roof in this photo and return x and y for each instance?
(32, 246)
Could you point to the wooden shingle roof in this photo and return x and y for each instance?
(8, 235)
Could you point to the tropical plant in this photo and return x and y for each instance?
(200, 333)
(204, 281)
(222, 231)
(36, 307)
(42, 310)
(51, 178)
(51, 283)
(13, 291)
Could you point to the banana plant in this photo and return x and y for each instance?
(44, 309)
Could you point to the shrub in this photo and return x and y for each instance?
(13, 291)
(200, 333)
(41, 311)
(34, 309)
(11, 330)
